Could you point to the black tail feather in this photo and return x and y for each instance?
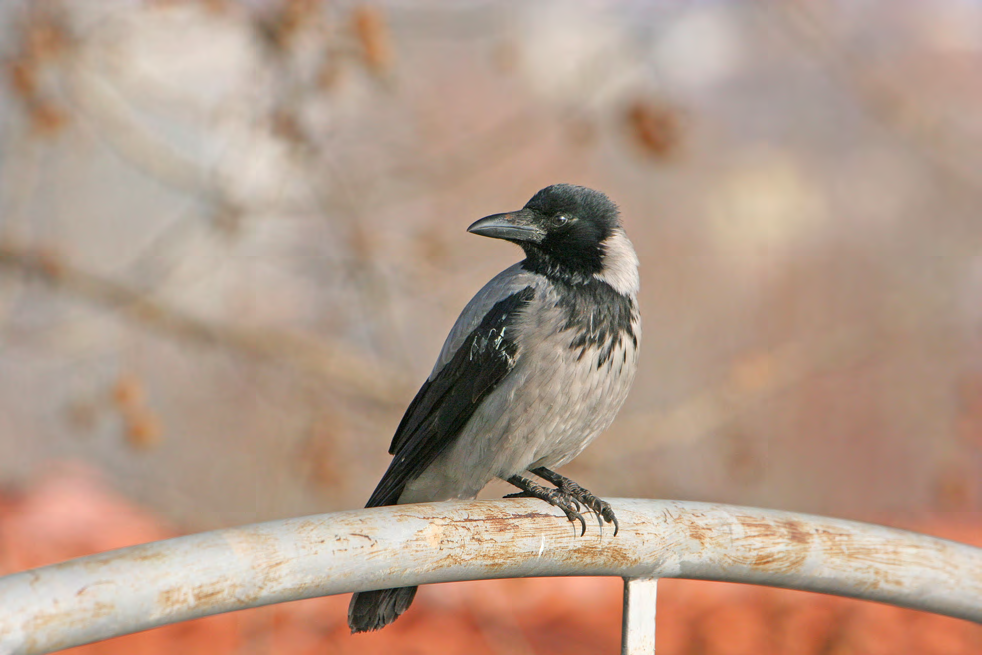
(373, 610)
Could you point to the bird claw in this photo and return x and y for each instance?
(569, 506)
(566, 498)
(564, 485)
(601, 508)
(555, 497)
(574, 517)
(606, 511)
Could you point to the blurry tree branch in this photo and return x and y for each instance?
(335, 363)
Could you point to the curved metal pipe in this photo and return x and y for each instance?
(141, 587)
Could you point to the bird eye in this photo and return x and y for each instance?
(561, 220)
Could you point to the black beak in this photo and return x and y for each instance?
(520, 226)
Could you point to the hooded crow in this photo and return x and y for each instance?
(536, 366)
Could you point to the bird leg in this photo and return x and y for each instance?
(600, 507)
(555, 497)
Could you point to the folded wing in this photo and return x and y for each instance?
(453, 393)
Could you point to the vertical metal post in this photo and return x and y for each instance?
(638, 624)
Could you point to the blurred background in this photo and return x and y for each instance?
(232, 240)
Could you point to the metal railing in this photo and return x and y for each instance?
(132, 589)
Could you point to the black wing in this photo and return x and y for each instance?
(447, 401)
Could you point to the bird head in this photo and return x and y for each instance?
(562, 228)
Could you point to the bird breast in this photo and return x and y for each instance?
(578, 356)
(575, 363)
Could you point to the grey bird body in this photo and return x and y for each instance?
(536, 367)
(553, 403)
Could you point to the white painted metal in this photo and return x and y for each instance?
(132, 589)
(638, 625)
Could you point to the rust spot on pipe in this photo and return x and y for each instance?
(779, 545)
(696, 529)
(59, 620)
(215, 594)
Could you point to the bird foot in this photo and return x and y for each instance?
(601, 508)
(555, 497)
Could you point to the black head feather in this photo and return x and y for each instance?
(577, 221)
(562, 230)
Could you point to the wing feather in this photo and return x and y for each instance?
(509, 281)
(450, 397)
